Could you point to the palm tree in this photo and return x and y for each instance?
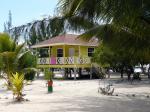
(132, 15)
(126, 23)
(39, 30)
(111, 19)
(10, 56)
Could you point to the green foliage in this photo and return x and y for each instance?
(17, 84)
(14, 58)
(27, 64)
(132, 15)
(28, 60)
(9, 53)
(48, 74)
(40, 30)
(6, 44)
(123, 49)
(1, 62)
(104, 56)
(136, 76)
(8, 24)
(124, 33)
(101, 74)
(29, 75)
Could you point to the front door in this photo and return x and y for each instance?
(71, 52)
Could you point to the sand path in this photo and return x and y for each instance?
(77, 96)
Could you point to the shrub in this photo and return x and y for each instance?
(48, 74)
(30, 75)
(17, 84)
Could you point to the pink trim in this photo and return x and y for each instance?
(53, 60)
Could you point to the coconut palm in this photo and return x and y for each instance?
(126, 23)
(132, 15)
(11, 57)
(17, 81)
(39, 30)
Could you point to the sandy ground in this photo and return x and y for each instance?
(78, 96)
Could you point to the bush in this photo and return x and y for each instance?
(136, 76)
(101, 75)
(17, 85)
(30, 75)
(48, 74)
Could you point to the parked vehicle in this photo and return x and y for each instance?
(138, 69)
(58, 73)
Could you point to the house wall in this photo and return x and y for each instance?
(54, 50)
(83, 50)
(75, 48)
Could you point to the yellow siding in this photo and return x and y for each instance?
(76, 50)
(83, 50)
(83, 53)
(54, 50)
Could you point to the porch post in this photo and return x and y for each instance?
(49, 55)
(37, 56)
(64, 58)
(91, 72)
(75, 72)
(63, 72)
(79, 51)
(64, 53)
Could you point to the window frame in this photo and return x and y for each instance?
(58, 53)
(90, 53)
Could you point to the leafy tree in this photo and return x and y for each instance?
(28, 65)
(104, 56)
(122, 49)
(8, 25)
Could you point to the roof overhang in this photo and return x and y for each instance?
(60, 44)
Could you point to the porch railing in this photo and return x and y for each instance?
(64, 60)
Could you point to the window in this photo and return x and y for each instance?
(90, 52)
(43, 53)
(60, 52)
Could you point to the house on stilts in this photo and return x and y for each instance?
(68, 53)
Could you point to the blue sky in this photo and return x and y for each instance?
(24, 11)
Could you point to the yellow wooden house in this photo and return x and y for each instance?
(66, 52)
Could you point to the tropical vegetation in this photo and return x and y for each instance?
(17, 81)
(16, 62)
(122, 26)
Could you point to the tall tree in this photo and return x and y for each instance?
(8, 24)
(132, 15)
(126, 23)
(40, 30)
